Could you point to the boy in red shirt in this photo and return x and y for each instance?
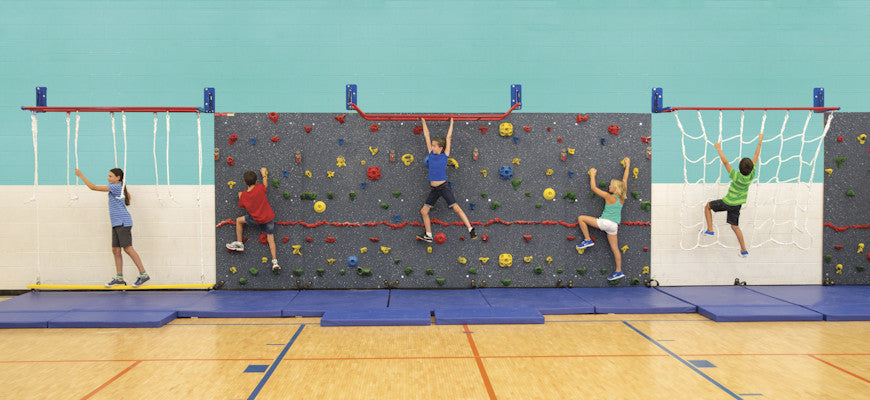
(259, 212)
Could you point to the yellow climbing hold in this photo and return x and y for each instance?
(408, 159)
(624, 249)
(453, 163)
(506, 129)
(505, 260)
(373, 150)
(571, 151)
(860, 247)
(549, 260)
(516, 161)
(319, 207)
(829, 171)
(483, 260)
(264, 260)
(385, 250)
(330, 174)
(862, 138)
(462, 260)
(233, 270)
(363, 250)
(580, 251)
(330, 261)
(231, 184)
(840, 269)
(429, 249)
(362, 162)
(549, 193)
(634, 172)
(483, 171)
(645, 269)
(527, 259)
(297, 249)
(549, 171)
(307, 173)
(340, 162)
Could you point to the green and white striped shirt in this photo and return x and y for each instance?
(739, 187)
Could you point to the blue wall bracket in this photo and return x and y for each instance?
(350, 95)
(517, 96)
(208, 100)
(818, 97)
(41, 96)
(658, 101)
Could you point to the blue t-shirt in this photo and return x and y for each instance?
(437, 167)
(117, 210)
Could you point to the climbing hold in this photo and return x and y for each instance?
(307, 129)
(453, 163)
(860, 268)
(839, 269)
(850, 192)
(352, 195)
(494, 205)
(274, 139)
(838, 246)
(352, 261)
(472, 271)
(634, 172)
(373, 173)
(329, 240)
(362, 162)
(581, 271)
(286, 173)
(603, 271)
(242, 281)
(506, 282)
(340, 118)
(549, 129)
(580, 251)
(397, 193)
(483, 172)
(308, 196)
(407, 159)
(528, 194)
(231, 161)
(319, 207)
(570, 174)
(330, 261)
(440, 281)
(364, 271)
(624, 249)
(392, 155)
(308, 239)
(320, 271)
(408, 270)
(297, 249)
(646, 206)
(340, 141)
(274, 117)
(603, 184)
(275, 183)
(363, 250)
(563, 154)
(483, 260)
(603, 141)
(418, 129)
(263, 238)
(462, 260)
(570, 196)
(285, 239)
(505, 129)
(828, 258)
(613, 129)
(429, 249)
(516, 183)
(538, 205)
(559, 270)
(840, 139)
(645, 249)
(840, 160)
(559, 139)
(570, 151)
(635, 194)
(374, 128)
(527, 259)
(385, 206)
(538, 270)
(645, 269)
(362, 185)
(308, 173)
(330, 174)
(233, 270)
(233, 139)
(484, 238)
(253, 271)
(430, 271)
(440, 238)
(516, 139)
(373, 150)
(217, 154)
(397, 218)
(516, 161)
(862, 138)
(482, 129)
(375, 239)
(340, 162)
(570, 238)
(549, 259)
(582, 118)
(385, 250)
(829, 171)
(549, 172)
(860, 247)
(549, 194)
(341, 272)
(528, 238)
(231, 184)
(527, 128)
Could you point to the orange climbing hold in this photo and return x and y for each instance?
(582, 118)
(613, 129)
(231, 161)
(274, 117)
(233, 139)
(307, 129)
(340, 118)
(374, 128)
(285, 239)
(375, 239)
(275, 139)
(263, 238)
(329, 240)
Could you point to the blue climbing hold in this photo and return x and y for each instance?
(570, 174)
(506, 172)
(286, 173)
(450, 185)
(396, 218)
(352, 261)
(472, 206)
(253, 141)
(603, 141)
(362, 186)
(340, 142)
(516, 139)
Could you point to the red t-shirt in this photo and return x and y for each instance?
(255, 202)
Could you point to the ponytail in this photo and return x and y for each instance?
(126, 196)
(621, 190)
(120, 174)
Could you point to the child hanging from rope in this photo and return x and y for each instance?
(122, 225)
(259, 212)
(610, 218)
(736, 195)
(439, 151)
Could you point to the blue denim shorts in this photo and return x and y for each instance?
(268, 227)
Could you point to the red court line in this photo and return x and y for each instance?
(108, 382)
(467, 357)
(841, 369)
(155, 359)
(479, 361)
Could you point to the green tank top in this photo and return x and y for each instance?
(613, 211)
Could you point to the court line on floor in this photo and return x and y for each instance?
(680, 359)
(479, 362)
(274, 365)
(142, 360)
(840, 368)
(108, 382)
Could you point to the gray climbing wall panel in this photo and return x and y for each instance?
(552, 258)
(847, 218)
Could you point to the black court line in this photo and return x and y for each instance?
(274, 365)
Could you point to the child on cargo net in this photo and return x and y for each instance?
(439, 151)
(736, 195)
(259, 212)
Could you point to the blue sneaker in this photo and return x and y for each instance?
(141, 280)
(616, 275)
(706, 232)
(744, 254)
(584, 244)
(116, 281)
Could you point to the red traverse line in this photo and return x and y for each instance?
(108, 382)
(479, 361)
(816, 109)
(113, 109)
(434, 117)
(841, 369)
(434, 221)
(847, 227)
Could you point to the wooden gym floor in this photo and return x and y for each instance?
(667, 356)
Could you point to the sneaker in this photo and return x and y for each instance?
(616, 275)
(236, 246)
(275, 266)
(584, 244)
(744, 254)
(141, 280)
(116, 281)
(706, 232)
(425, 238)
(472, 234)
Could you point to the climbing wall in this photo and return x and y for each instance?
(374, 221)
(846, 249)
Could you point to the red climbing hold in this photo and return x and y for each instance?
(527, 128)
(482, 129)
(233, 139)
(559, 139)
(274, 117)
(245, 239)
(274, 139)
(484, 237)
(549, 129)
(308, 239)
(838, 246)
(582, 118)
(614, 129)
(570, 238)
(375, 239)
(329, 240)
(645, 249)
(440, 238)
(263, 238)
(840, 139)
(374, 128)
(462, 238)
(307, 129)
(374, 173)
(285, 239)
(645, 139)
(340, 118)
(231, 161)
(528, 238)
(418, 129)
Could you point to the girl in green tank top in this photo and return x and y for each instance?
(610, 217)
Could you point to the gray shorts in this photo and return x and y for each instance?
(268, 227)
(122, 236)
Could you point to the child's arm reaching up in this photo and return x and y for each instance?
(265, 173)
(426, 136)
(91, 186)
(595, 189)
(722, 157)
(758, 149)
(627, 163)
(449, 134)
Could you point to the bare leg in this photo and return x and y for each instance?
(271, 240)
(135, 256)
(119, 260)
(709, 216)
(739, 234)
(426, 221)
(462, 215)
(617, 255)
(585, 222)
(240, 226)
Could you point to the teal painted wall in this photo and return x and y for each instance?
(407, 56)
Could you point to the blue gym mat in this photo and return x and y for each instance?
(44, 301)
(837, 303)
(632, 300)
(737, 303)
(376, 317)
(100, 301)
(488, 315)
(436, 298)
(27, 319)
(112, 319)
(314, 303)
(545, 300)
(239, 304)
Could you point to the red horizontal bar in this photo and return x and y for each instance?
(434, 117)
(114, 109)
(816, 109)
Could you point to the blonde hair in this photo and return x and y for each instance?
(619, 187)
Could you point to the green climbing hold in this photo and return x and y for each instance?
(570, 196)
(275, 183)
(592, 195)
(385, 206)
(254, 271)
(559, 270)
(341, 272)
(603, 271)
(308, 196)
(494, 205)
(539, 270)
(483, 195)
(516, 183)
(850, 193)
(287, 195)
(330, 195)
(396, 261)
(506, 282)
(408, 270)
(840, 160)
(828, 258)
(635, 282)
(472, 271)
(528, 194)
(603, 184)
(581, 271)
(614, 282)
(646, 206)
(352, 195)
(635, 194)
(430, 271)
(297, 272)
(320, 271)
(363, 271)
(243, 281)
(861, 268)
(440, 281)
(396, 194)
(276, 271)
(538, 205)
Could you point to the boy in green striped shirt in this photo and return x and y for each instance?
(736, 193)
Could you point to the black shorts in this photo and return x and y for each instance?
(122, 236)
(442, 190)
(733, 217)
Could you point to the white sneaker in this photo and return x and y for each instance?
(236, 246)
(275, 266)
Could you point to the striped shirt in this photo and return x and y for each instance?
(739, 187)
(117, 210)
